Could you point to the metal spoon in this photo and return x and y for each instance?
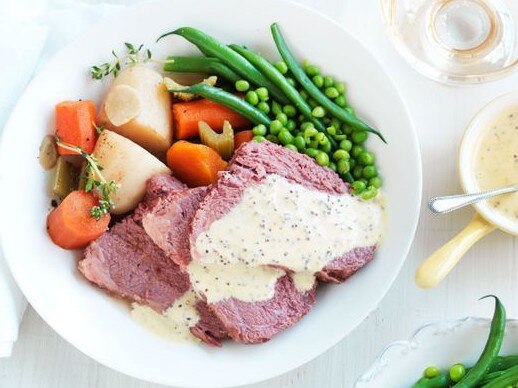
(446, 204)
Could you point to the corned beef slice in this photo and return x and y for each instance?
(252, 163)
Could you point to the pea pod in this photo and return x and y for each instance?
(212, 47)
(313, 91)
(507, 379)
(490, 352)
(229, 100)
(204, 65)
(440, 381)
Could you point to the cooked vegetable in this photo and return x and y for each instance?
(75, 124)
(313, 91)
(211, 47)
(222, 143)
(127, 164)
(138, 106)
(48, 153)
(440, 381)
(457, 372)
(242, 137)
(194, 164)
(172, 84)
(205, 65)
(506, 379)
(71, 226)
(66, 178)
(219, 96)
(490, 352)
(501, 363)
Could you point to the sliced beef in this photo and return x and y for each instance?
(126, 262)
(209, 328)
(168, 220)
(251, 164)
(258, 322)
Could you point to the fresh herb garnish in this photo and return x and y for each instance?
(94, 181)
(135, 54)
(99, 128)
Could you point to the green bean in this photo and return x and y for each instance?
(205, 65)
(440, 381)
(490, 377)
(490, 352)
(229, 100)
(212, 47)
(508, 378)
(502, 363)
(279, 80)
(312, 90)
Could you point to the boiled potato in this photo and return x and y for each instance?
(127, 164)
(138, 106)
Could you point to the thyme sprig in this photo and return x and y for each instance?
(135, 54)
(94, 181)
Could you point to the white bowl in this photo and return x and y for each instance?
(101, 327)
(441, 344)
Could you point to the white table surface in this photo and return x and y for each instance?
(42, 359)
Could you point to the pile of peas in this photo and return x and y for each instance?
(351, 160)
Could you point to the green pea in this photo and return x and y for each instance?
(347, 129)
(291, 147)
(366, 158)
(329, 81)
(356, 151)
(326, 147)
(340, 154)
(331, 92)
(242, 85)
(260, 130)
(350, 110)
(264, 107)
(340, 101)
(322, 159)
(312, 152)
(370, 193)
(291, 125)
(313, 144)
(431, 372)
(289, 110)
(282, 117)
(340, 86)
(285, 137)
(275, 127)
(291, 81)
(346, 145)
(276, 108)
(332, 166)
(340, 137)
(358, 172)
(457, 372)
(259, 139)
(318, 80)
(359, 137)
(336, 123)
(272, 138)
(312, 70)
(331, 130)
(376, 181)
(320, 137)
(343, 166)
(369, 171)
(310, 131)
(282, 67)
(299, 142)
(358, 187)
(312, 103)
(251, 97)
(301, 118)
(307, 124)
(262, 93)
(318, 112)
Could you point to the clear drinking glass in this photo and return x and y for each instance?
(455, 41)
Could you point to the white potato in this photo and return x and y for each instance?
(127, 164)
(141, 110)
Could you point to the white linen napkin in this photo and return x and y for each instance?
(30, 32)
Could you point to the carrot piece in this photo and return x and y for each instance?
(194, 164)
(186, 116)
(242, 137)
(71, 225)
(75, 124)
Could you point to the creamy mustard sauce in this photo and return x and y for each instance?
(174, 323)
(249, 284)
(304, 281)
(496, 162)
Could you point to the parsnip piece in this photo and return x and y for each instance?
(122, 104)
